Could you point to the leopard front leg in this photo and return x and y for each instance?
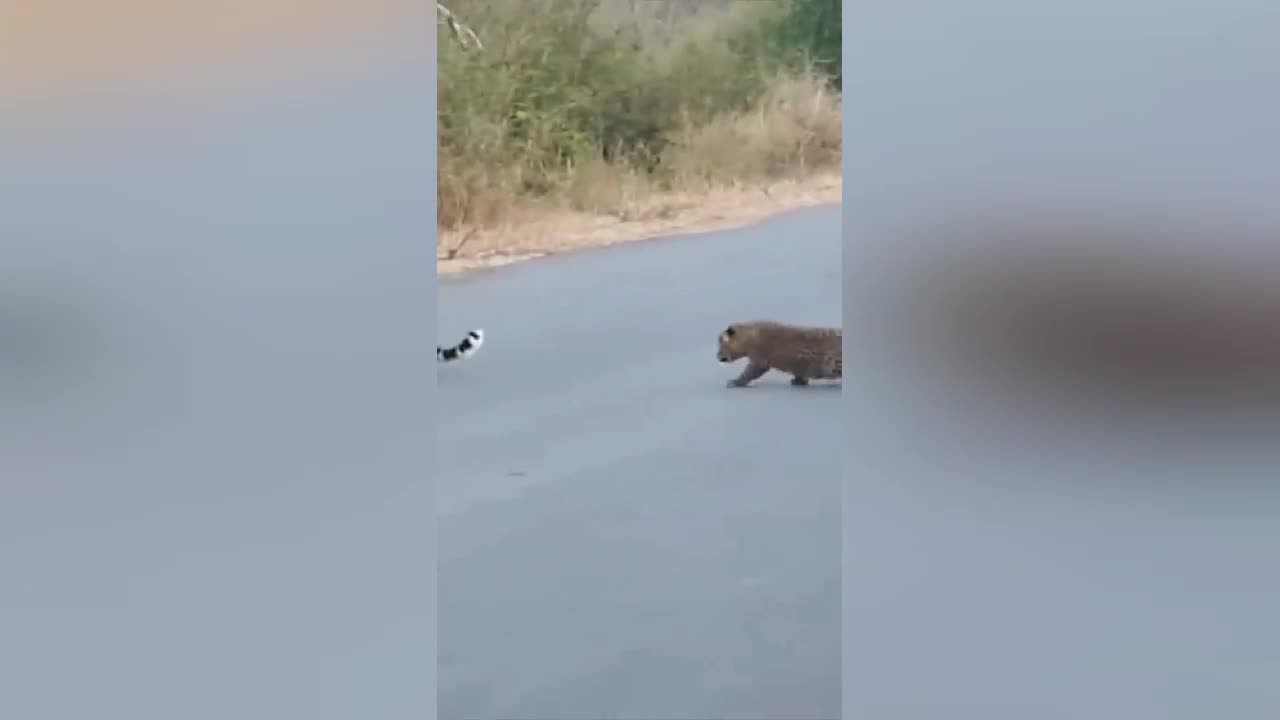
(750, 373)
(800, 380)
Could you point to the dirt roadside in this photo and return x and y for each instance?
(668, 214)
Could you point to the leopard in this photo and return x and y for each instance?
(805, 352)
(466, 348)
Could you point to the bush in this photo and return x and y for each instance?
(808, 35)
(570, 96)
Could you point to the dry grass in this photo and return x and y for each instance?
(783, 152)
(792, 131)
(622, 116)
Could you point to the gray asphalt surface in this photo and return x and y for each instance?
(621, 535)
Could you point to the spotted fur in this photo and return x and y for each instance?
(805, 353)
(469, 345)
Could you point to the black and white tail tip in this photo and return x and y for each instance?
(467, 347)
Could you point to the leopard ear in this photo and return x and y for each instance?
(729, 331)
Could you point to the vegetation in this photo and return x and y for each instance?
(587, 104)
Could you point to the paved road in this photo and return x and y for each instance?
(621, 535)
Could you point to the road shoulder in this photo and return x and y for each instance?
(670, 214)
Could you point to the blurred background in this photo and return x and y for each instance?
(1061, 276)
(216, 304)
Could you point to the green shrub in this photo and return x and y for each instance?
(562, 84)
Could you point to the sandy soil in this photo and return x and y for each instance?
(664, 215)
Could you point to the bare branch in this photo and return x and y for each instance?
(460, 32)
(452, 253)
